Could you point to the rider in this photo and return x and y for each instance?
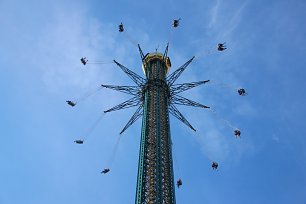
(214, 165)
(121, 29)
(105, 171)
(84, 60)
(237, 133)
(179, 183)
(221, 46)
(241, 92)
(176, 22)
(71, 103)
(79, 141)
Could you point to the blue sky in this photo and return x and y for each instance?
(41, 44)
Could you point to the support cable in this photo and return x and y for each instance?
(114, 152)
(130, 38)
(89, 132)
(205, 53)
(99, 62)
(226, 122)
(87, 95)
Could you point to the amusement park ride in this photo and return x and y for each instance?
(156, 96)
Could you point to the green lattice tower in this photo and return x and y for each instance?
(156, 96)
(155, 182)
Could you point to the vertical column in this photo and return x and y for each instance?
(155, 173)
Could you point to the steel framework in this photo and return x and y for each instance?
(156, 96)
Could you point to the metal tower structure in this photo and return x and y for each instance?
(156, 96)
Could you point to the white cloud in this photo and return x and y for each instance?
(64, 41)
(275, 138)
(214, 14)
(214, 145)
(234, 21)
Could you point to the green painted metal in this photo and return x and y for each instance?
(155, 184)
(170, 158)
(158, 169)
(156, 95)
(141, 153)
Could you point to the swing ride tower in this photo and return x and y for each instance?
(156, 96)
(155, 182)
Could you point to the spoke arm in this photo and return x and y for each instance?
(132, 90)
(179, 100)
(141, 53)
(136, 116)
(178, 88)
(144, 62)
(176, 113)
(135, 77)
(135, 101)
(166, 52)
(173, 77)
